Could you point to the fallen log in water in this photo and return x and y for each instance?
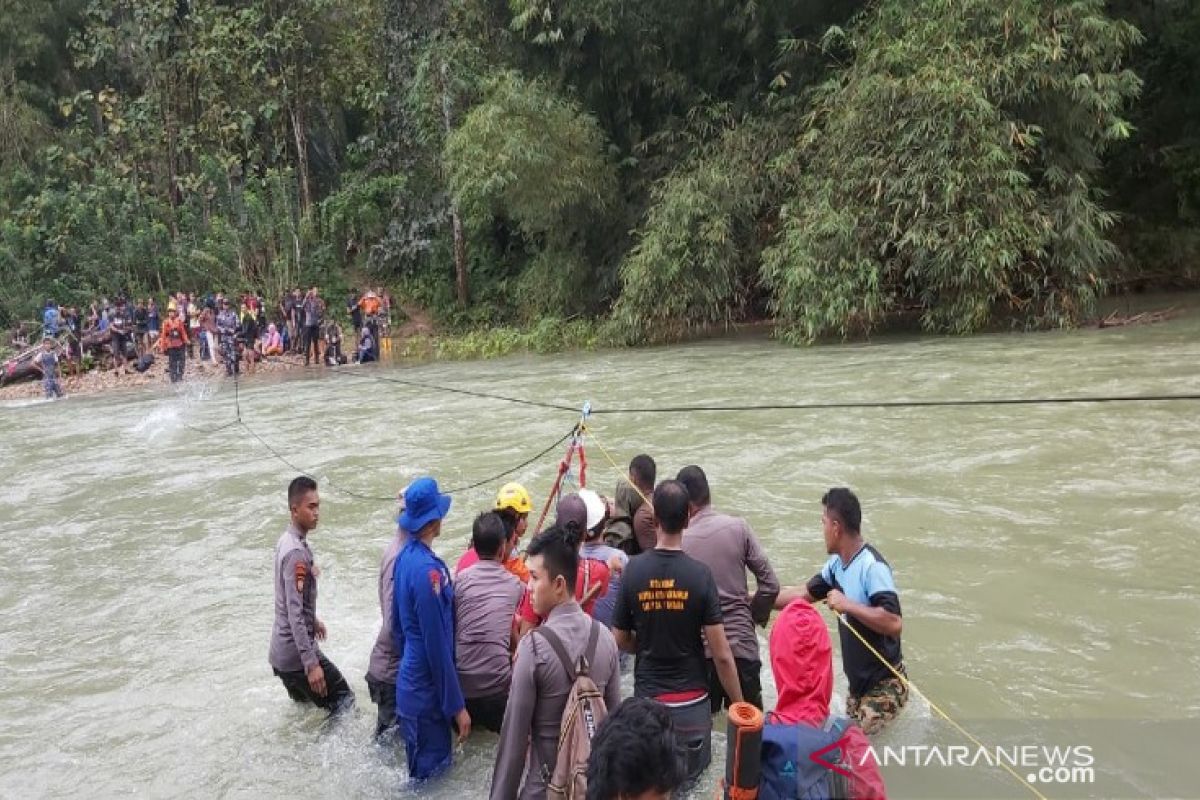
(1118, 320)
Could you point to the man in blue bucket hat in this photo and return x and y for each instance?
(429, 700)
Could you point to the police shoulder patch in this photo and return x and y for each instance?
(301, 575)
(435, 580)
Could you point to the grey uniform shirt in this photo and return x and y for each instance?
(486, 596)
(539, 694)
(385, 661)
(728, 547)
(293, 634)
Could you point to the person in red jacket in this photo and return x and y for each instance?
(174, 340)
(802, 663)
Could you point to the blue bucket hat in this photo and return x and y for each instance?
(423, 503)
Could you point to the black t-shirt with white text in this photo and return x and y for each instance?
(666, 599)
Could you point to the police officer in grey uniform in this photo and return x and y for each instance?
(307, 674)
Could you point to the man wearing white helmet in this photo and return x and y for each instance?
(596, 550)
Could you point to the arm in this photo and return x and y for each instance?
(723, 660)
(387, 597)
(876, 618)
(790, 594)
(626, 640)
(394, 611)
(612, 690)
(768, 584)
(439, 648)
(818, 588)
(622, 621)
(644, 529)
(295, 569)
(883, 613)
(518, 721)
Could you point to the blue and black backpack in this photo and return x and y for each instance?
(789, 772)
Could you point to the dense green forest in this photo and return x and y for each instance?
(656, 167)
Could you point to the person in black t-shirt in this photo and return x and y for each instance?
(667, 600)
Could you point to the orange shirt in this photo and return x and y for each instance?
(369, 305)
(174, 334)
(516, 565)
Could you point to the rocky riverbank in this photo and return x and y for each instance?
(98, 380)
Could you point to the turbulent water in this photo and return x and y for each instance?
(1046, 555)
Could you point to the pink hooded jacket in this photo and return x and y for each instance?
(802, 663)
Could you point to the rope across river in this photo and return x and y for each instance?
(239, 421)
(581, 430)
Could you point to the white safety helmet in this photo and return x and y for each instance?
(596, 509)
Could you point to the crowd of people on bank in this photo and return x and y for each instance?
(234, 331)
(530, 641)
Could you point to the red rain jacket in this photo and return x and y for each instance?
(802, 663)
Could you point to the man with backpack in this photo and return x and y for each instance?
(565, 682)
(806, 751)
(632, 525)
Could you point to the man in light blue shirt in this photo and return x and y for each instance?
(857, 583)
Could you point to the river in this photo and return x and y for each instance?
(1046, 555)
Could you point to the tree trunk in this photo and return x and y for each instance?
(301, 158)
(460, 242)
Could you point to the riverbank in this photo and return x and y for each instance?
(99, 381)
(418, 341)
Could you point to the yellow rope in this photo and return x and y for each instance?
(913, 687)
(842, 618)
(584, 429)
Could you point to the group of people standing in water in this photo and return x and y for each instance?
(522, 634)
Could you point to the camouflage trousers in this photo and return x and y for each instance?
(875, 709)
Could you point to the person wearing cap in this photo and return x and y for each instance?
(294, 655)
(573, 514)
(801, 729)
(513, 504)
(429, 699)
(173, 341)
(485, 599)
(729, 549)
